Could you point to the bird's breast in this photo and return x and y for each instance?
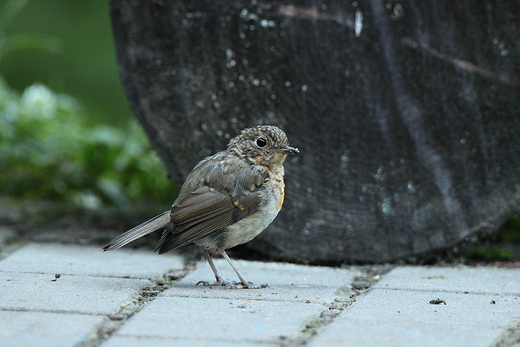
(252, 225)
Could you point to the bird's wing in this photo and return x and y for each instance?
(226, 194)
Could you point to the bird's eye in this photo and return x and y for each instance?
(261, 142)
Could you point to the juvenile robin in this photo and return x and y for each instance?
(227, 200)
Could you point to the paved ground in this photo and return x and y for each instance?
(137, 298)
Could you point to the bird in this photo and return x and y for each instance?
(228, 199)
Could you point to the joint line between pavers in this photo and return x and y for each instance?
(76, 274)
(347, 297)
(117, 320)
(432, 290)
(511, 337)
(24, 309)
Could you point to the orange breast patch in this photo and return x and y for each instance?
(279, 203)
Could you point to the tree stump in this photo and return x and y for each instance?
(406, 112)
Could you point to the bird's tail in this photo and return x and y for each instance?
(141, 230)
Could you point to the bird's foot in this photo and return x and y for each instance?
(248, 285)
(233, 285)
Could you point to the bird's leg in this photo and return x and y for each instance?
(220, 281)
(233, 266)
(243, 283)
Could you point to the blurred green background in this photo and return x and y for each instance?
(76, 55)
(66, 131)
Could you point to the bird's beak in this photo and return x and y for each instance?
(289, 149)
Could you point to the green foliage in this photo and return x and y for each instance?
(487, 254)
(48, 152)
(510, 231)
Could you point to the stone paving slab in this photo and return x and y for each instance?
(144, 341)
(481, 303)
(458, 279)
(287, 282)
(44, 329)
(198, 315)
(37, 311)
(397, 310)
(76, 294)
(225, 320)
(88, 260)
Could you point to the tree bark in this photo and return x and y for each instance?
(406, 112)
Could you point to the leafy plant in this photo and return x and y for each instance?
(48, 152)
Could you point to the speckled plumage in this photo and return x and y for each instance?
(228, 198)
